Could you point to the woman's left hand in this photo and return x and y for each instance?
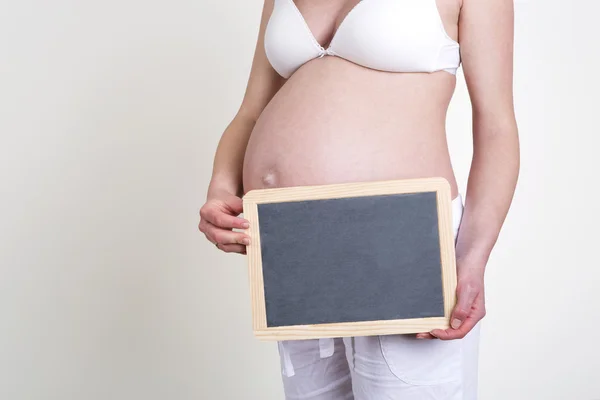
(469, 308)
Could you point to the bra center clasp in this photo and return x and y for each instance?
(325, 51)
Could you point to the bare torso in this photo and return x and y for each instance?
(334, 121)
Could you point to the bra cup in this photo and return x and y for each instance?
(449, 58)
(288, 45)
(386, 35)
(391, 35)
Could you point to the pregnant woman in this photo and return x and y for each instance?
(353, 91)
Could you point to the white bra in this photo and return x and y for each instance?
(387, 35)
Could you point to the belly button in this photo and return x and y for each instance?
(269, 180)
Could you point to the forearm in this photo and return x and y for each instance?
(229, 157)
(492, 180)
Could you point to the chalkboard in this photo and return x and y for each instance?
(351, 259)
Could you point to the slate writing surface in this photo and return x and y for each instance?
(351, 259)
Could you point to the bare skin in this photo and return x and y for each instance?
(334, 121)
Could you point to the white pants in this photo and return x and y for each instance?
(398, 367)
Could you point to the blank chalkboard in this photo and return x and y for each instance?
(351, 259)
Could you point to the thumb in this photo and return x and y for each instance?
(235, 204)
(466, 296)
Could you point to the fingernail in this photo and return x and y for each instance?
(455, 324)
(246, 241)
(245, 225)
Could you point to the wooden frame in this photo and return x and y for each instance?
(334, 191)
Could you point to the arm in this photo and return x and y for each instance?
(486, 38)
(219, 215)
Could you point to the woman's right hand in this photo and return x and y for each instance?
(217, 219)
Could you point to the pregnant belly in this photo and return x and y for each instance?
(344, 123)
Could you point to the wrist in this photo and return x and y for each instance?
(219, 188)
(471, 264)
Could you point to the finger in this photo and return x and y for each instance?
(207, 229)
(210, 239)
(449, 334)
(466, 296)
(425, 335)
(223, 220)
(235, 204)
(203, 226)
(232, 248)
(224, 236)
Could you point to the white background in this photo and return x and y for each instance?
(110, 112)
